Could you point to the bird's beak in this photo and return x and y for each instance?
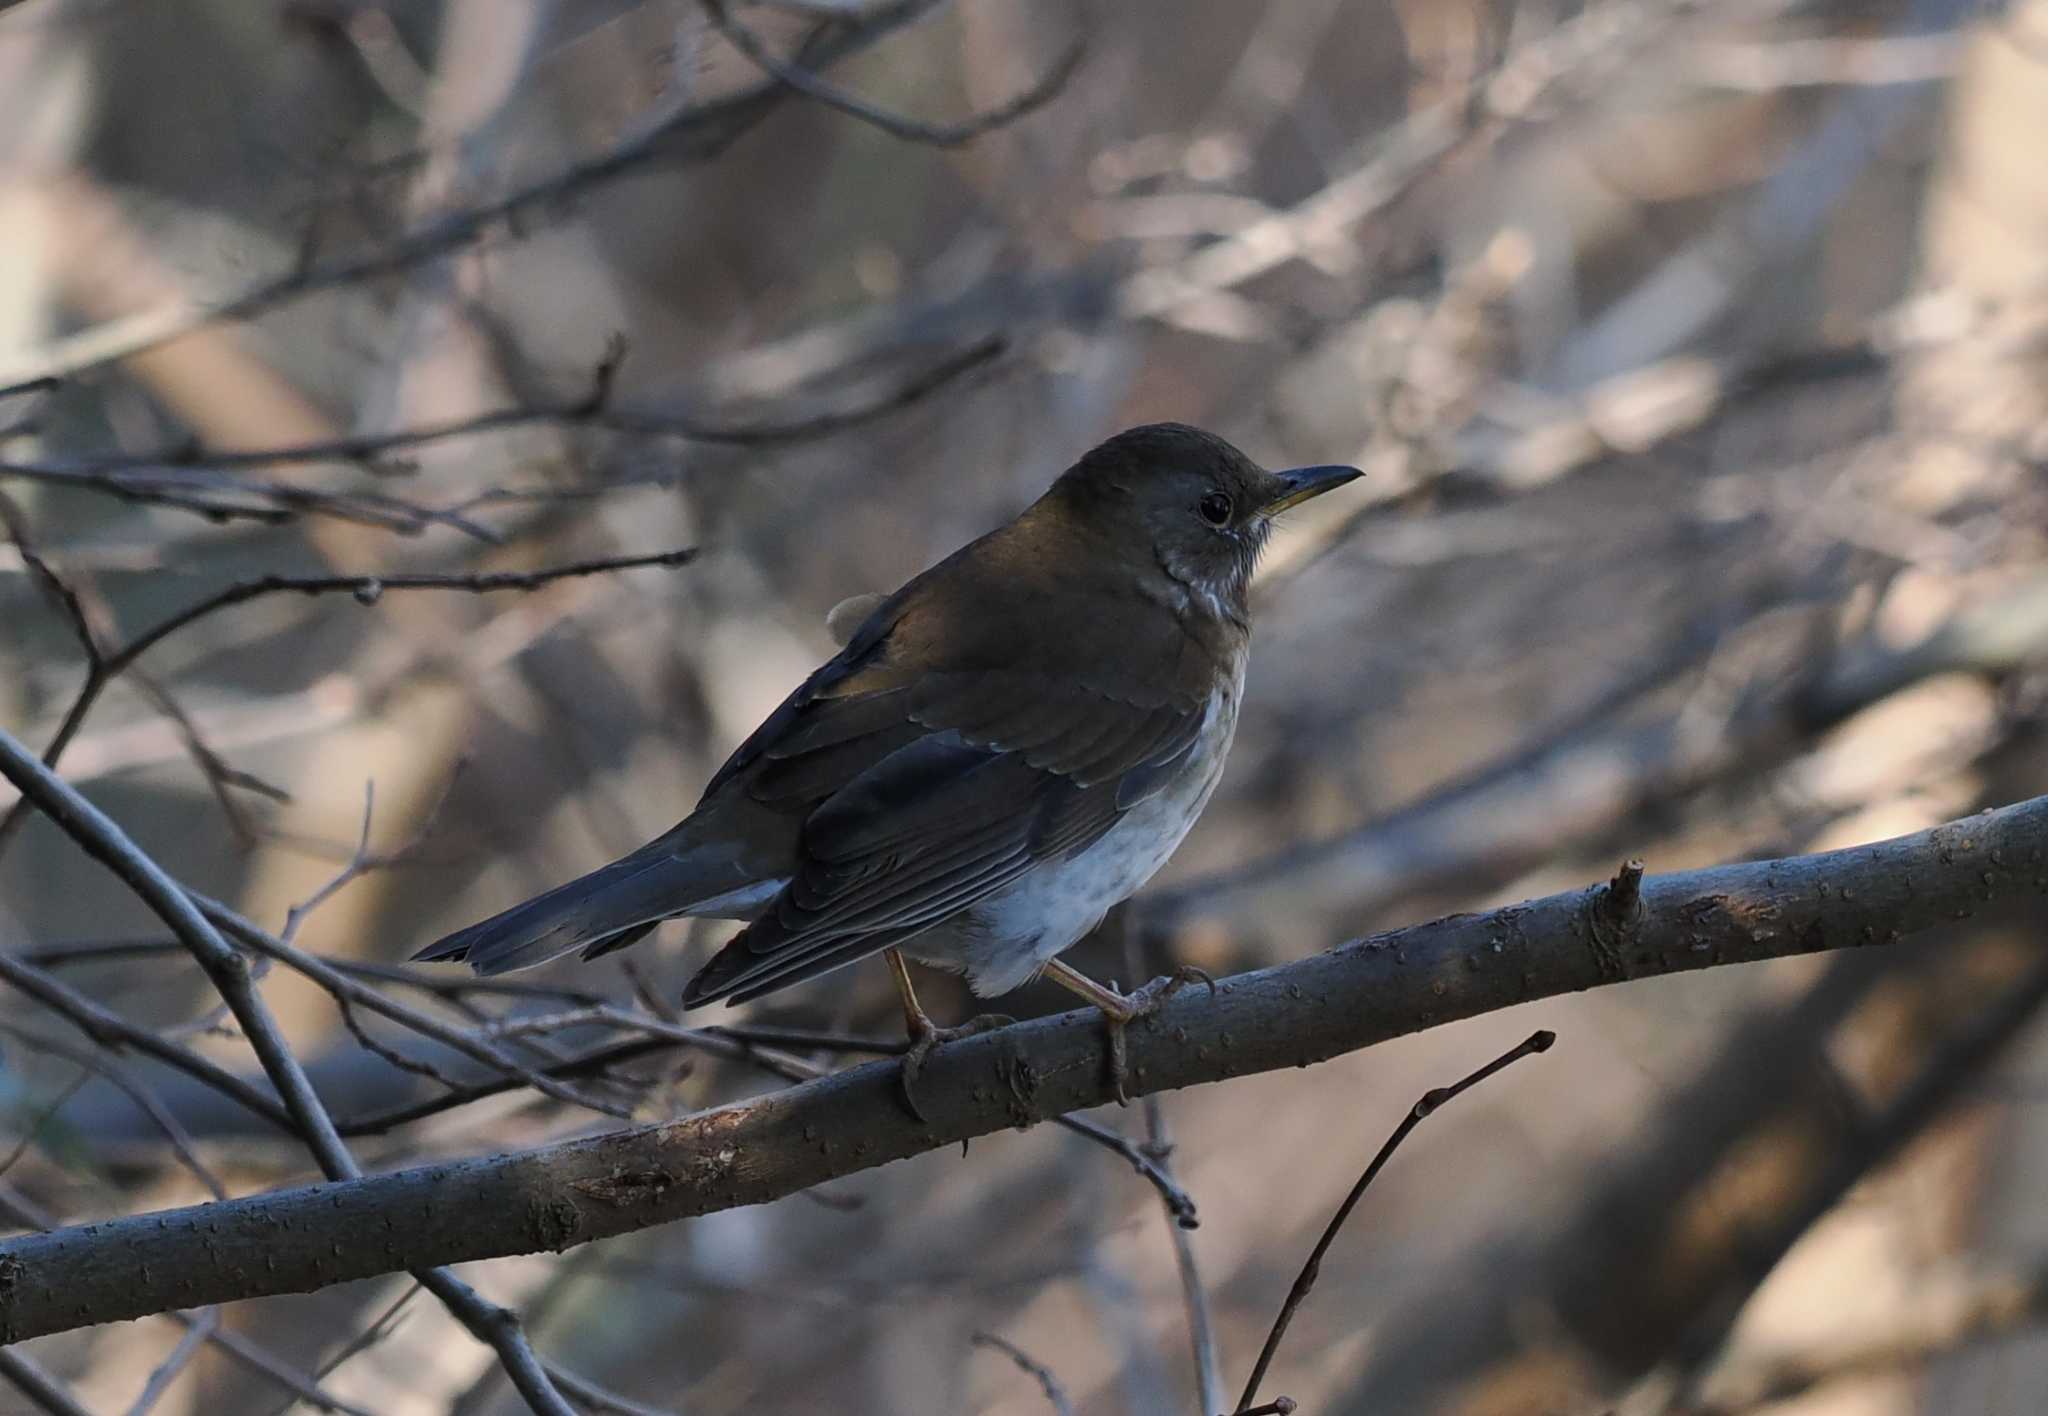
(1301, 483)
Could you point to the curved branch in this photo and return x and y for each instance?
(1358, 994)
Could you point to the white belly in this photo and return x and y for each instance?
(1006, 939)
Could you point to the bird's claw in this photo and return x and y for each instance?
(1143, 1003)
(927, 1039)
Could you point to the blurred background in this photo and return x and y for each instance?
(1698, 357)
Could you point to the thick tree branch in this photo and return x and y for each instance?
(1361, 993)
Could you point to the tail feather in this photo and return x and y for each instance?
(609, 908)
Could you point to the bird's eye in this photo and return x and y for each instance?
(1215, 509)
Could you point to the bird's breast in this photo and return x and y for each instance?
(1008, 937)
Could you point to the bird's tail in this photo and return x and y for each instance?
(609, 908)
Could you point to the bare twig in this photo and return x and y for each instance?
(1158, 1149)
(218, 496)
(1031, 1367)
(1428, 1106)
(1180, 1205)
(71, 603)
(29, 1132)
(342, 985)
(593, 409)
(1194, 1295)
(204, 1324)
(110, 1029)
(145, 1099)
(810, 85)
(381, 1327)
(599, 1398)
(103, 665)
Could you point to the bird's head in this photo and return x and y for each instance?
(1188, 503)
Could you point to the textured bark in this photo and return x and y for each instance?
(1351, 997)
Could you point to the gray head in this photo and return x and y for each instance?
(1202, 507)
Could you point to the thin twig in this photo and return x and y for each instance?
(599, 1398)
(913, 130)
(110, 1029)
(1180, 1205)
(103, 666)
(146, 1100)
(593, 409)
(100, 838)
(1031, 1367)
(204, 1324)
(1430, 1103)
(71, 603)
(57, 1103)
(593, 1063)
(1159, 1150)
(1194, 1295)
(189, 477)
(340, 984)
(381, 1327)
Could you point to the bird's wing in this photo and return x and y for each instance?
(924, 793)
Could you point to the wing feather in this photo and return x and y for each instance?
(929, 773)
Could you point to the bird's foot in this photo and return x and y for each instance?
(1142, 1003)
(926, 1037)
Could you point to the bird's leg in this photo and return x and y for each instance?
(924, 1033)
(1123, 1009)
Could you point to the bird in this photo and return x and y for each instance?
(1001, 751)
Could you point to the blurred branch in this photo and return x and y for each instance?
(219, 497)
(27, 1377)
(1954, 1066)
(1486, 105)
(1430, 1103)
(1762, 67)
(190, 477)
(600, 1399)
(571, 1193)
(1158, 1149)
(945, 135)
(1992, 1308)
(205, 1323)
(1194, 1295)
(691, 134)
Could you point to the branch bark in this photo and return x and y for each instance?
(1364, 992)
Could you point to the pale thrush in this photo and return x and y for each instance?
(1004, 749)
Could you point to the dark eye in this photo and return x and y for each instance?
(1215, 509)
